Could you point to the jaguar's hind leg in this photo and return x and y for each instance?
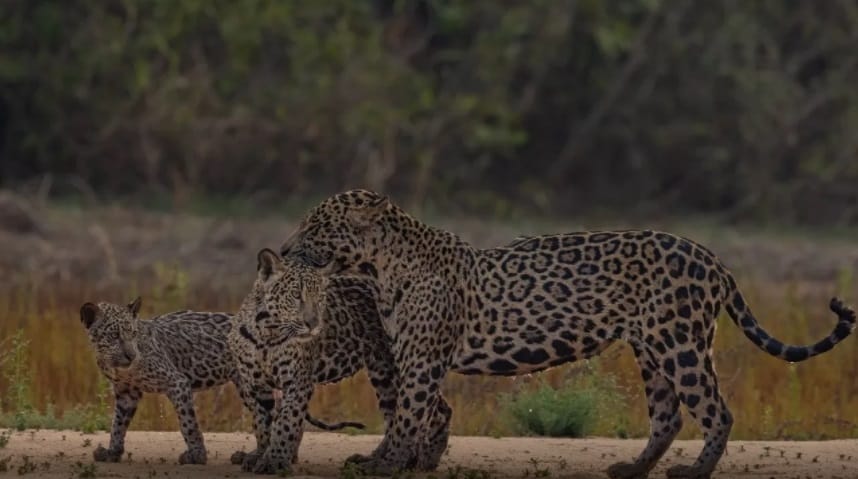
(664, 415)
(438, 437)
(181, 395)
(697, 387)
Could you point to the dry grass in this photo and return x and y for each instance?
(770, 399)
(114, 254)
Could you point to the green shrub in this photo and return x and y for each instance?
(18, 411)
(571, 411)
(16, 372)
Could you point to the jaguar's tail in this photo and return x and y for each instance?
(333, 427)
(741, 315)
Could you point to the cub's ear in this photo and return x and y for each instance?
(268, 262)
(370, 213)
(88, 313)
(134, 306)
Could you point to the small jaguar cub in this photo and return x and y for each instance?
(281, 340)
(175, 354)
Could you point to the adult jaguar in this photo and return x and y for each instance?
(175, 354)
(540, 302)
(335, 339)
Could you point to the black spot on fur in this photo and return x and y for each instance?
(669, 367)
(561, 349)
(692, 400)
(687, 359)
(501, 366)
(527, 356)
(688, 380)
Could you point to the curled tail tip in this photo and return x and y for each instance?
(845, 313)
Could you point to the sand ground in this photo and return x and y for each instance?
(153, 454)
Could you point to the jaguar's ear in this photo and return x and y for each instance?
(370, 213)
(134, 306)
(88, 313)
(267, 263)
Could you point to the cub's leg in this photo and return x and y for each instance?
(260, 401)
(127, 399)
(261, 405)
(665, 419)
(287, 428)
(181, 395)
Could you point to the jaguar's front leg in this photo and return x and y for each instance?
(419, 429)
(260, 401)
(384, 378)
(127, 399)
(294, 378)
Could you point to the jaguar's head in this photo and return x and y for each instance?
(343, 232)
(112, 330)
(291, 300)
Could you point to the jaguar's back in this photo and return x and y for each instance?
(194, 342)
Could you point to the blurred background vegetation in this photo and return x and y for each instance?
(743, 109)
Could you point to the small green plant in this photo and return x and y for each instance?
(537, 471)
(95, 417)
(350, 471)
(402, 475)
(460, 472)
(17, 374)
(571, 411)
(84, 471)
(27, 466)
(4, 438)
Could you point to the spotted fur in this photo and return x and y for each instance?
(536, 303)
(174, 354)
(283, 341)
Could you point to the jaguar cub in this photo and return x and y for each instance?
(174, 354)
(323, 342)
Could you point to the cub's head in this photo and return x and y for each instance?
(290, 298)
(342, 231)
(112, 330)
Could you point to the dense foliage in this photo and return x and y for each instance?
(744, 108)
